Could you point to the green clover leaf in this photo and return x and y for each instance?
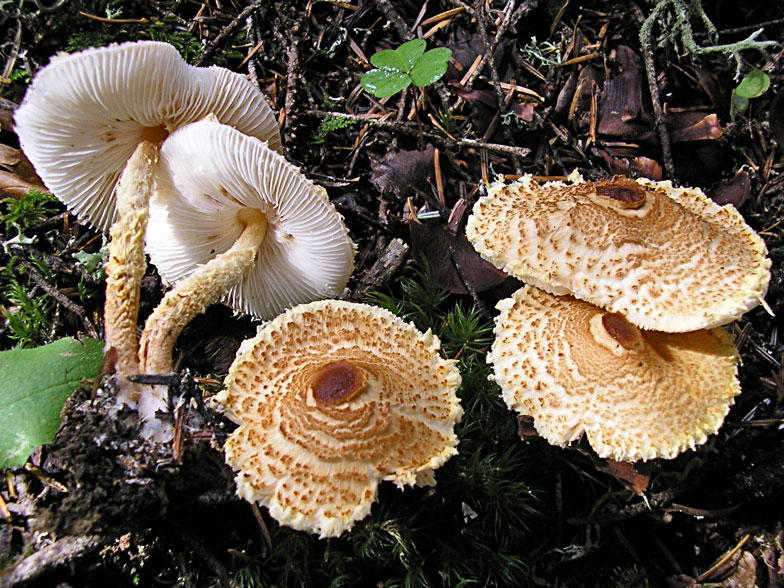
(410, 53)
(430, 67)
(384, 82)
(398, 68)
(753, 85)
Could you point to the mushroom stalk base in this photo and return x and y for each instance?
(192, 295)
(126, 266)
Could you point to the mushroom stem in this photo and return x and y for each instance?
(192, 295)
(126, 266)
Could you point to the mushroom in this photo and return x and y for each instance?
(232, 218)
(333, 397)
(85, 113)
(83, 117)
(667, 258)
(578, 370)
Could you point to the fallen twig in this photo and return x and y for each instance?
(228, 30)
(59, 297)
(413, 131)
(658, 113)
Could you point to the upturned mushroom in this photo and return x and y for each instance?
(332, 398)
(84, 114)
(636, 395)
(83, 117)
(666, 258)
(232, 219)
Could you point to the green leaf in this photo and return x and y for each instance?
(431, 66)
(410, 52)
(753, 85)
(35, 384)
(384, 82)
(389, 58)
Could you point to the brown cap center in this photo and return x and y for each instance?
(616, 325)
(336, 382)
(631, 196)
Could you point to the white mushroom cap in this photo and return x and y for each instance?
(332, 398)
(667, 258)
(635, 394)
(208, 173)
(84, 114)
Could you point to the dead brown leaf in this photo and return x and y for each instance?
(398, 171)
(734, 191)
(442, 248)
(626, 473)
(634, 167)
(17, 175)
(7, 115)
(525, 428)
(693, 126)
(620, 112)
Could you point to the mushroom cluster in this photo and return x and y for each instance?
(617, 335)
(106, 130)
(84, 114)
(328, 408)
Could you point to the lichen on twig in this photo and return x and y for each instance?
(684, 11)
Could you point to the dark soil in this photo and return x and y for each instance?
(566, 88)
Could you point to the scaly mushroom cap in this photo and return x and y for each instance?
(668, 259)
(84, 114)
(636, 394)
(333, 397)
(208, 175)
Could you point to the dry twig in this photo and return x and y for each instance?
(412, 130)
(209, 49)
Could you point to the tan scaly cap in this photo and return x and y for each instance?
(667, 258)
(84, 114)
(333, 397)
(636, 394)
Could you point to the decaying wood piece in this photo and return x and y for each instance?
(387, 264)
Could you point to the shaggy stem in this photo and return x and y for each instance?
(192, 295)
(126, 265)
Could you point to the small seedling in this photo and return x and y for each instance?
(28, 317)
(397, 69)
(330, 124)
(753, 85)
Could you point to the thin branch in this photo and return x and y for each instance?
(209, 49)
(508, 21)
(59, 297)
(292, 69)
(650, 71)
(412, 130)
(389, 11)
(489, 51)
